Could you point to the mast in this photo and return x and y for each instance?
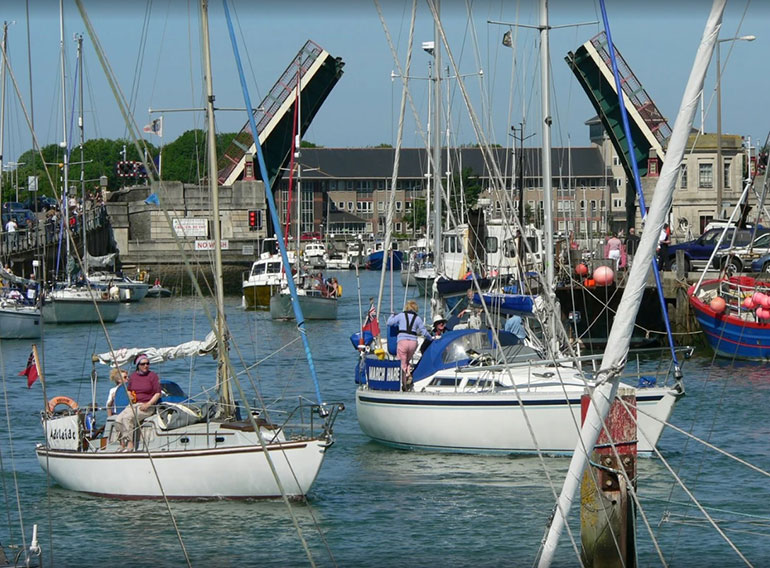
(437, 102)
(63, 144)
(297, 152)
(2, 111)
(79, 40)
(545, 94)
(223, 384)
(616, 352)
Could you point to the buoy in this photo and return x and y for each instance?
(581, 269)
(757, 297)
(766, 302)
(762, 313)
(604, 275)
(748, 303)
(718, 304)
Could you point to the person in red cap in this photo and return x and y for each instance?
(144, 392)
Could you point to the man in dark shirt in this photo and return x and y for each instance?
(632, 242)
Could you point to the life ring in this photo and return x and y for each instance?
(57, 400)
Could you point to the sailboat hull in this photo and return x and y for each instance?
(313, 307)
(19, 322)
(79, 310)
(215, 473)
(493, 422)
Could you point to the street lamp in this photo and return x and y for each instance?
(720, 165)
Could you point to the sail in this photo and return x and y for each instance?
(159, 354)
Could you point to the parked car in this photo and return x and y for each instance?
(761, 264)
(698, 251)
(310, 237)
(741, 257)
(44, 203)
(12, 206)
(24, 218)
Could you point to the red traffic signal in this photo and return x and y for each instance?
(255, 220)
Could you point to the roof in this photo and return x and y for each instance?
(377, 163)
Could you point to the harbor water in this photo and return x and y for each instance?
(372, 505)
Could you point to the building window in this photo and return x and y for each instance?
(726, 174)
(380, 206)
(351, 185)
(617, 203)
(706, 175)
(350, 206)
(398, 227)
(341, 205)
(615, 160)
(603, 205)
(562, 226)
(683, 179)
(398, 205)
(619, 183)
(652, 167)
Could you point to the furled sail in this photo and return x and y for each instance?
(159, 354)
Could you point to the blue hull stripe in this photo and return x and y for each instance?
(486, 403)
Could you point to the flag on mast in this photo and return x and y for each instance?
(31, 370)
(155, 127)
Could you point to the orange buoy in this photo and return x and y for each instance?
(718, 304)
(604, 276)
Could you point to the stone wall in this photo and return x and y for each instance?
(145, 237)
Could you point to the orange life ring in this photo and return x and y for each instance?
(57, 400)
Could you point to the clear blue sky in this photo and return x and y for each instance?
(657, 38)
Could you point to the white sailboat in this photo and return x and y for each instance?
(67, 303)
(213, 454)
(482, 391)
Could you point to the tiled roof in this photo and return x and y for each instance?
(377, 163)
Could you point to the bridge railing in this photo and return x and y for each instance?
(47, 232)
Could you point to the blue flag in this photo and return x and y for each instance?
(152, 200)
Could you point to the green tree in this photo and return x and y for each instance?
(471, 188)
(416, 217)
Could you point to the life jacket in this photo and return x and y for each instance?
(409, 324)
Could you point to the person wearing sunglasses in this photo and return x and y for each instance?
(144, 393)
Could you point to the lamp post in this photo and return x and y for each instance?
(720, 164)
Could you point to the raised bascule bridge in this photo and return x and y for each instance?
(649, 129)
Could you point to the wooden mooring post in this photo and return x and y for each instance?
(607, 508)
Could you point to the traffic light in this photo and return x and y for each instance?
(255, 220)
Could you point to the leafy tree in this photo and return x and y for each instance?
(471, 187)
(416, 217)
(308, 144)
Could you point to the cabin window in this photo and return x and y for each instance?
(491, 245)
(706, 175)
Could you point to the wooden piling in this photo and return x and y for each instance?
(607, 509)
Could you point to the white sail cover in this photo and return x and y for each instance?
(159, 354)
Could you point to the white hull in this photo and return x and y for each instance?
(217, 462)
(128, 290)
(493, 422)
(61, 306)
(19, 322)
